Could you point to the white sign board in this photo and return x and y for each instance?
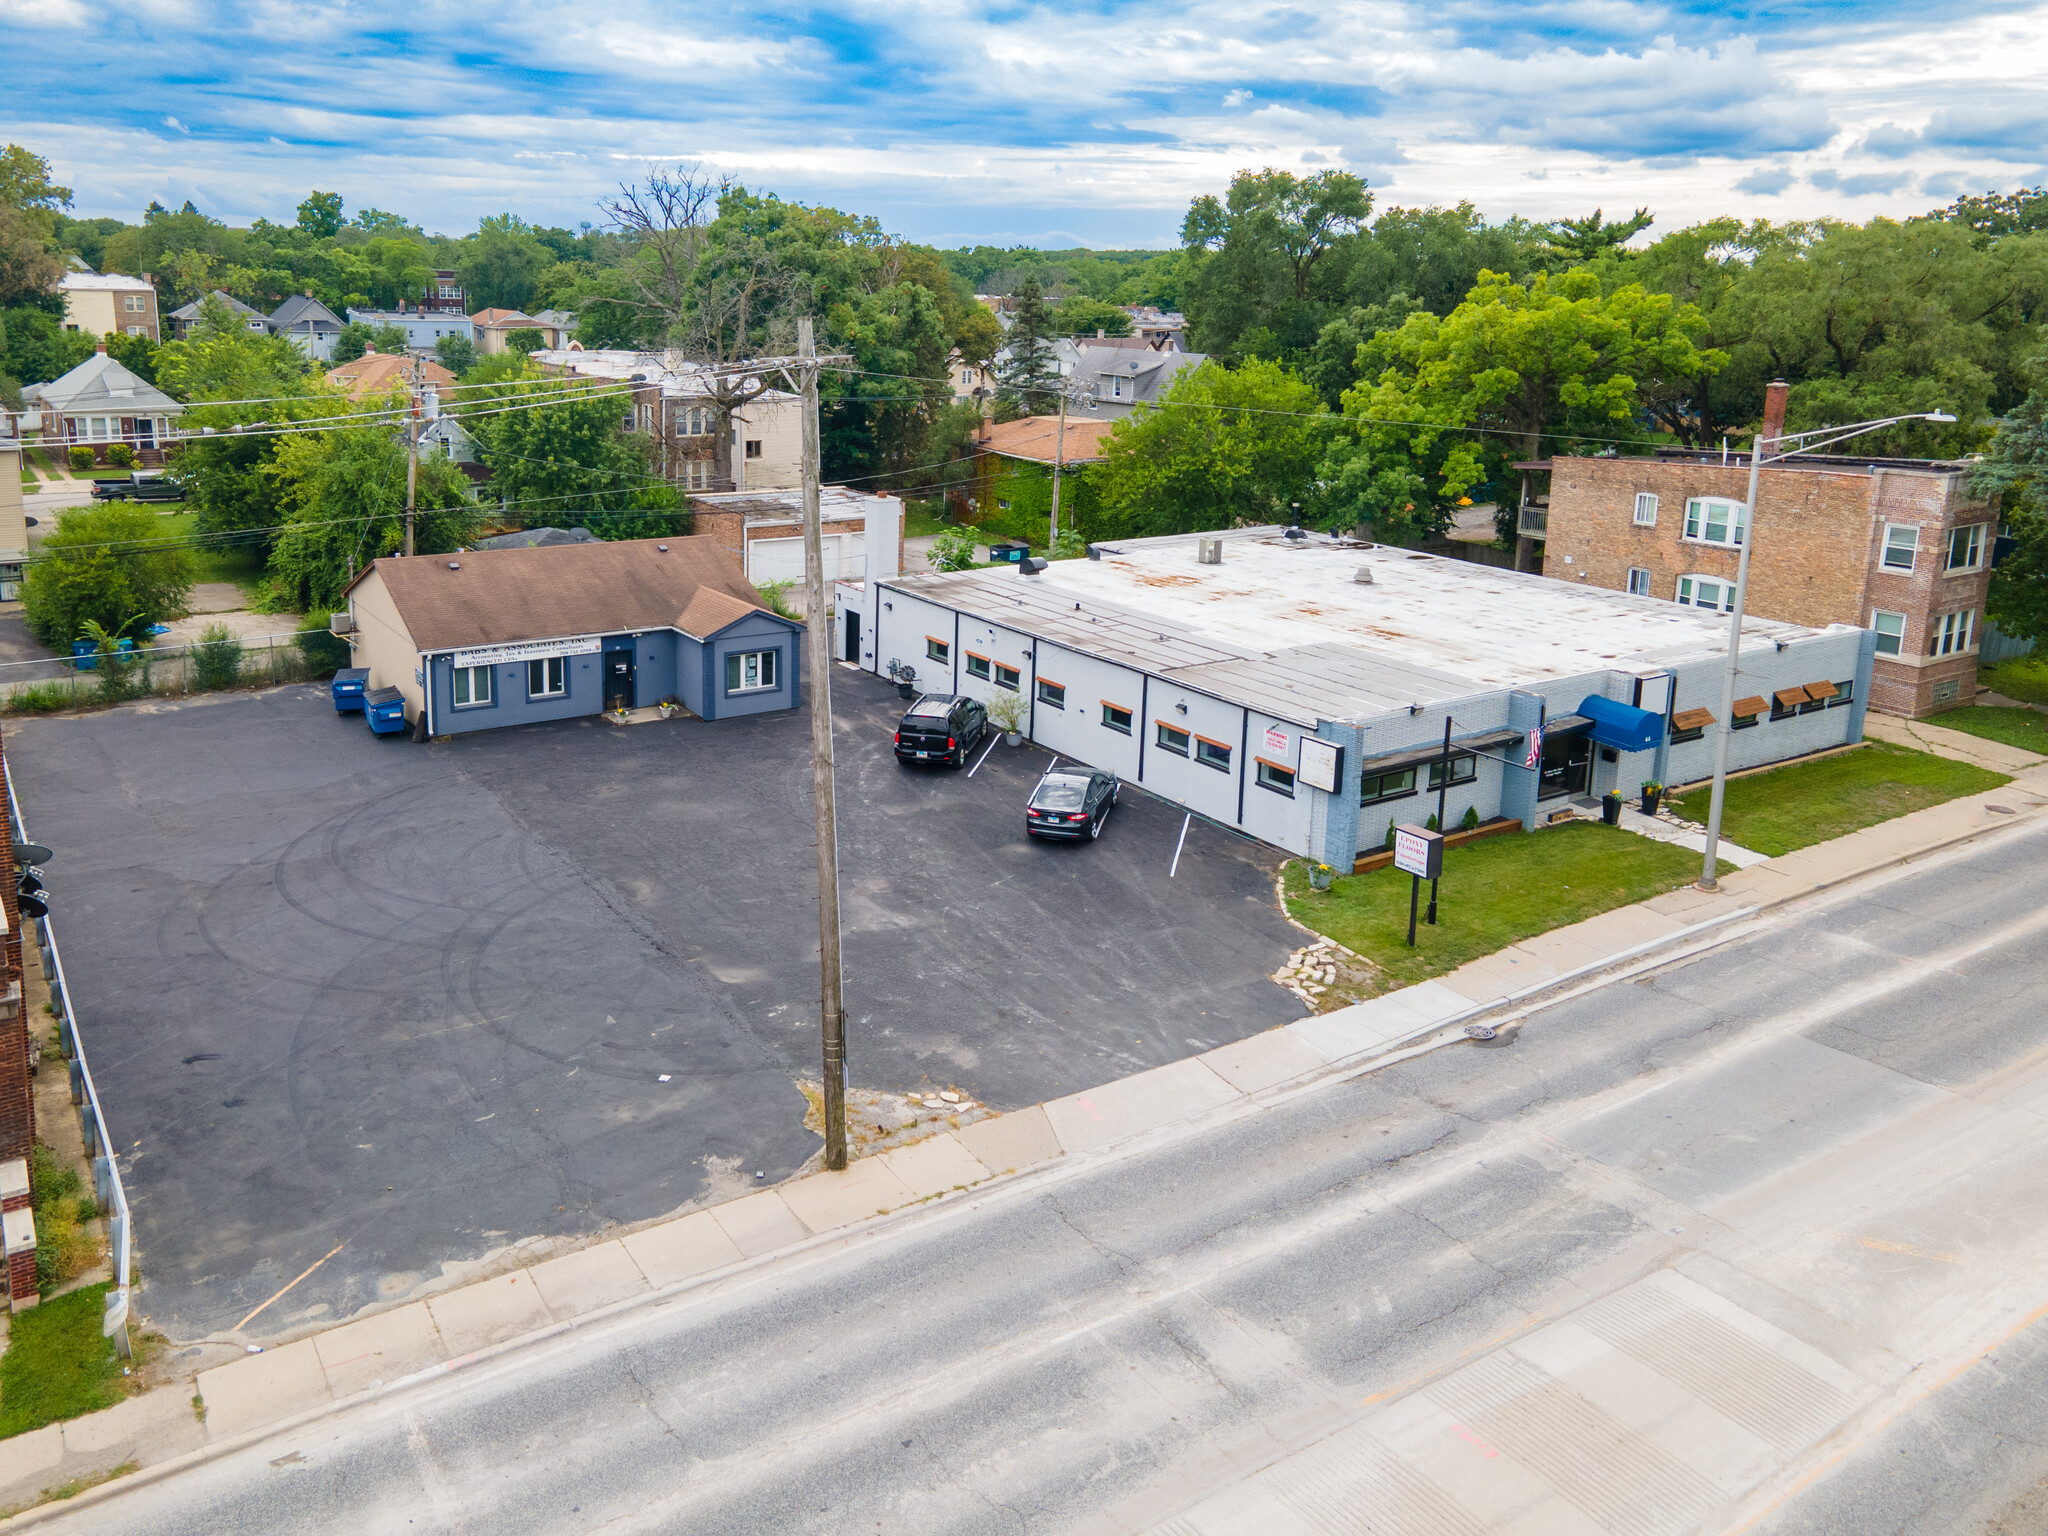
(1654, 693)
(1418, 852)
(1322, 764)
(537, 650)
(1276, 739)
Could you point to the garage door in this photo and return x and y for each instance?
(783, 559)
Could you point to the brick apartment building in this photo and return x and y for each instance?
(1898, 546)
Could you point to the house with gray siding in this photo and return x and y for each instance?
(485, 638)
(1297, 688)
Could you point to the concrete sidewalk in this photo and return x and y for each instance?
(1943, 742)
(254, 1394)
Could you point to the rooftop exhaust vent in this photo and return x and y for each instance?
(1030, 565)
(1209, 552)
(1363, 575)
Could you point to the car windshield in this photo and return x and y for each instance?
(1061, 795)
(933, 710)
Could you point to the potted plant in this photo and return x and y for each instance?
(1319, 876)
(1610, 807)
(1652, 793)
(1006, 709)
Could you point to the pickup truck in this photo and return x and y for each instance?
(138, 488)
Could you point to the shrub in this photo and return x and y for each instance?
(1471, 819)
(1390, 837)
(216, 658)
(1006, 709)
(109, 565)
(1430, 825)
(121, 454)
(954, 550)
(42, 698)
(81, 458)
(326, 653)
(1069, 545)
(776, 595)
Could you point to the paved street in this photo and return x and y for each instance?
(1748, 1242)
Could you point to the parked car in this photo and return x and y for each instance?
(941, 728)
(1071, 802)
(138, 488)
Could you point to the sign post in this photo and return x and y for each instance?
(1420, 854)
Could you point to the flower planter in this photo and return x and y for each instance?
(1013, 738)
(1610, 808)
(904, 690)
(1319, 877)
(1652, 798)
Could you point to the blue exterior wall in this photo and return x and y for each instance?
(509, 704)
(760, 632)
(654, 666)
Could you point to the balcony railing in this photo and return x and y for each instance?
(1534, 522)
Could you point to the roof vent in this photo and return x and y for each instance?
(1209, 552)
(661, 549)
(1030, 565)
(454, 565)
(1294, 532)
(1363, 575)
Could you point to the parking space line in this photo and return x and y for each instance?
(992, 740)
(1179, 844)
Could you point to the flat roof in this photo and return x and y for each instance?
(1283, 625)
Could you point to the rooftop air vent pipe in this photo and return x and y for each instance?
(1363, 575)
(1030, 565)
(1294, 532)
(1209, 552)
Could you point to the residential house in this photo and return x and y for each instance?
(187, 316)
(557, 327)
(443, 294)
(497, 637)
(378, 373)
(13, 523)
(310, 325)
(489, 328)
(1116, 373)
(1013, 472)
(423, 327)
(672, 401)
(100, 403)
(109, 304)
(1901, 547)
(1164, 330)
(764, 530)
(970, 381)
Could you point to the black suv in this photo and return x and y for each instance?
(940, 728)
(138, 488)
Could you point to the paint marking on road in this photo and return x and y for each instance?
(330, 1253)
(984, 756)
(1175, 868)
(1883, 1245)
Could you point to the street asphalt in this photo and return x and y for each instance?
(425, 1002)
(1825, 1138)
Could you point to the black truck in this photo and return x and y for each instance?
(138, 488)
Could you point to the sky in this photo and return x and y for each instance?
(1012, 123)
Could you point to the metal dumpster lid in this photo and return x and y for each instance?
(352, 675)
(383, 696)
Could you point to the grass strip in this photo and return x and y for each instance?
(2026, 729)
(58, 1364)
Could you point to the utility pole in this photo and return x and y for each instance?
(832, 1001)
(1443, 790)
(1059, 456)
(412, 454)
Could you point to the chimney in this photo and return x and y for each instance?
(309, 293)
(1774, 414)
(101, 349)
(145, 277)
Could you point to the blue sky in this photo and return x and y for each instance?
(1010, 122)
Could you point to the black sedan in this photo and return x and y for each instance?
(1071, 802)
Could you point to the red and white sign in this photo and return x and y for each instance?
(1276, 739)
(1418, 851)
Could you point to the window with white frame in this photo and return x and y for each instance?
(1966, 547)
(1953, 633)
(138, 330)
(753, 447)
(1116, 387)
(1901, 546)
(1646, 509)
(1707, 592)
(697, 474)
(472, 686)
(132, 302)
(547, 678)
(1891, 631)
(751, 671)
(1638, 581)
(1713, 520)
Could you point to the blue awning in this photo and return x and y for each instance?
(1622, 726)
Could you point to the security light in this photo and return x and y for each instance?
(1942, 416)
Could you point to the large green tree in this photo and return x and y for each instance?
(504, 265)
(109, 565)
(1224, 447)
(2015, 469)
(320, 215)
(570, 464)
(878, 420)
(1258, 258)
(1028, 373)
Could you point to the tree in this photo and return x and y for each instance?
(1574, 242)
(25, 181)
(526, 340)
(320, 215)
(1257, 257)
(107, 565)
(1224, 447)
(503, 265)
(28, 268)
(135, 353)
(978, 335)
(455, 353)
(571, 458)
(2015, 468)
(1028, 373)
(35, 347)
(342, 494)
(878, 420)
(1431, 257)
(1997, 214)
(1514, 369)
(1084, 317)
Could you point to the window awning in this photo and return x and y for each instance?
(1791, 698)
(1565, 725)
(1750, 708)
(1418, 755)
(1815, 692)
(1692, 719)
(1621, 726)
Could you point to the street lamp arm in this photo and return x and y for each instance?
(1843, 434)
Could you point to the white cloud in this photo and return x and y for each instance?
(172, 122)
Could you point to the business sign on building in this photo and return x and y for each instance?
(537, 650)
(1322, 764)
(1419, 852)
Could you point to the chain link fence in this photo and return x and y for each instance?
(203, 665)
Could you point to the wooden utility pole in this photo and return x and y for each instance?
(832, 1003)
(1059, 456)
(412, 454)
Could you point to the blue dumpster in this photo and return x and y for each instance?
(85, 656)
(350, 683)
(384, 710)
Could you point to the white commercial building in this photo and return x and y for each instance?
(1297, 688)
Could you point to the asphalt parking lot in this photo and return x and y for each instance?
(421, 1001)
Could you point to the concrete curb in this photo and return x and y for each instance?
(1223, 1100)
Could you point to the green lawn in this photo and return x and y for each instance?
(1494, 892)
(244, 566)
(58, 1365)
(2025, 728)
(1807, 803)
(2024, 677)
(921, 521)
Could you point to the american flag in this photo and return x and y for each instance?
(1535, 748)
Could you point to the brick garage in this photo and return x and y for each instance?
(764, 530)
(1822, 528)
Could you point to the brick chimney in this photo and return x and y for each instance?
(101, 348)
(1774, 413)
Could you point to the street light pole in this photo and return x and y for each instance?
(1746, 530)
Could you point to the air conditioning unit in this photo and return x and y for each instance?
(1209, 552)
(341, 624)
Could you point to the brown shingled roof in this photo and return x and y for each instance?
(1036, 437)
(501, 596)
(376, 372)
